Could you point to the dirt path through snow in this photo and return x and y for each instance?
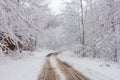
(49, 73)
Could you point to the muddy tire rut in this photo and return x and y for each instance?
(69, 72)
(49, 73)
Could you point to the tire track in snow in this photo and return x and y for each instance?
(69, 72)
(54, 65)
(48, 73)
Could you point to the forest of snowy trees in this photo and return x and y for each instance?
(90, 28)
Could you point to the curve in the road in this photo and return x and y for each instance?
(49, 73)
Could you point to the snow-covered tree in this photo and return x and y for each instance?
(21, 20)
(95, 26)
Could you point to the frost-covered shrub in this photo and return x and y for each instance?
(79, 51)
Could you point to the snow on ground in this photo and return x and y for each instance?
(95, 69)
(27, 68)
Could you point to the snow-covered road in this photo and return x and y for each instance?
(62, 67)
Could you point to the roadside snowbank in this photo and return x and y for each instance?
(27, 68)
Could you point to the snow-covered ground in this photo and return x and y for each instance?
(95, 69)
(27, 68)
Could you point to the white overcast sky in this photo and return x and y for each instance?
(56, 6)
